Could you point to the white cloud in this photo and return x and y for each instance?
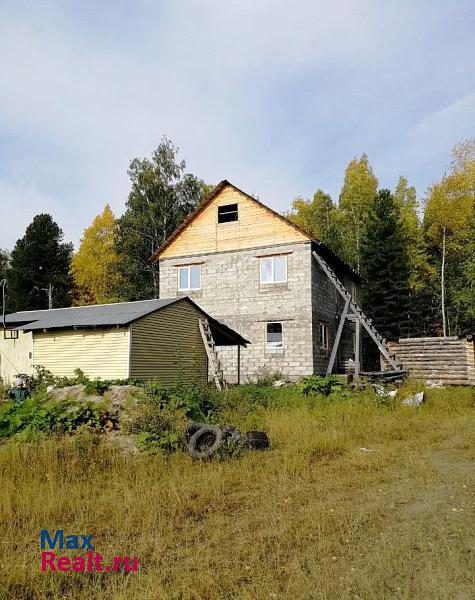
(273, 95)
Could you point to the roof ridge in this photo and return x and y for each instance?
(45, 310)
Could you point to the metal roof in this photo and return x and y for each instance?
(121, 313)
(110, 315)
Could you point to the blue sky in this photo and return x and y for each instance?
(275, 96)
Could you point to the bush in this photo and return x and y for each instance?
(196, 402)
(43, 378)
(158, 426)
(266, 377)
(96, 387)
(167, 441)
(317, 384)
(36, 417)
(163, 412)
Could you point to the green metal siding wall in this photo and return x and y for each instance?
(167, 345)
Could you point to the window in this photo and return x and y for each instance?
(189, 277)
(227, 213)
(324, 337)
(274, 335)
(274, 269)
(10, 334)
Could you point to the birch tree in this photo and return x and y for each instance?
(357, 200)
(162, 195)
(448, 210)
(319, 217)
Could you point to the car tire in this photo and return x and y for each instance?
(204, 442)
(257, 440)
(231, 434)
(190, 430)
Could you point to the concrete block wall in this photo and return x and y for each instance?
(231, 292)
(327, 307)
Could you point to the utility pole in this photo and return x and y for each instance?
(49, 291)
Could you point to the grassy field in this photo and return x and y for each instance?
(315, 517)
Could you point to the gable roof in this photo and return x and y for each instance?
(96, 315)
(320, 247)
(109, 315)
(207, 200)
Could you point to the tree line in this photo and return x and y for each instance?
(416, 258)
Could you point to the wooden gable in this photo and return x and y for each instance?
(256, 226)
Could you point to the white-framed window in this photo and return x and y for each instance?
(324, 336)
(274, 334)
(273, 269)
(189, 277)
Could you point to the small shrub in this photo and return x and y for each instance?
(40, 380)
(157, 423)
(4, 390)
(85, 441)
(96, 387)
(196, 402)
(266, 377)
(36, 417)
(317, 384)
(80, 377)
(152, 443)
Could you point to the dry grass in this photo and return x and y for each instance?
(313, 518)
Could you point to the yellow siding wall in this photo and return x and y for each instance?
(256, 227)
(167, 345)
(15, 356)
(100, 354)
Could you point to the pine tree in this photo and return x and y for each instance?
(385, 268)
(40, 259)
(463, 292)
(95, 265)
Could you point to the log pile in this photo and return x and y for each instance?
(448, 360)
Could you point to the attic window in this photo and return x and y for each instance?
(227, 213)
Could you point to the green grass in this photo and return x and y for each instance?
(313, 518)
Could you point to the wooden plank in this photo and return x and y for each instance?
(209, 346)
(239, 364)
(356, 310)
(337, 337)
(256, 227)
(357, 349)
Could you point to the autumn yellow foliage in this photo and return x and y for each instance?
(95, 265)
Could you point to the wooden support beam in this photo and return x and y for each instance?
(381, 347)
(359, 316)
(357, 349)
(336, 343)
(239, 364)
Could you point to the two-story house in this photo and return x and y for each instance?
(253, 269)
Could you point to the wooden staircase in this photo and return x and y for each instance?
(213, 360)
(352, 311)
